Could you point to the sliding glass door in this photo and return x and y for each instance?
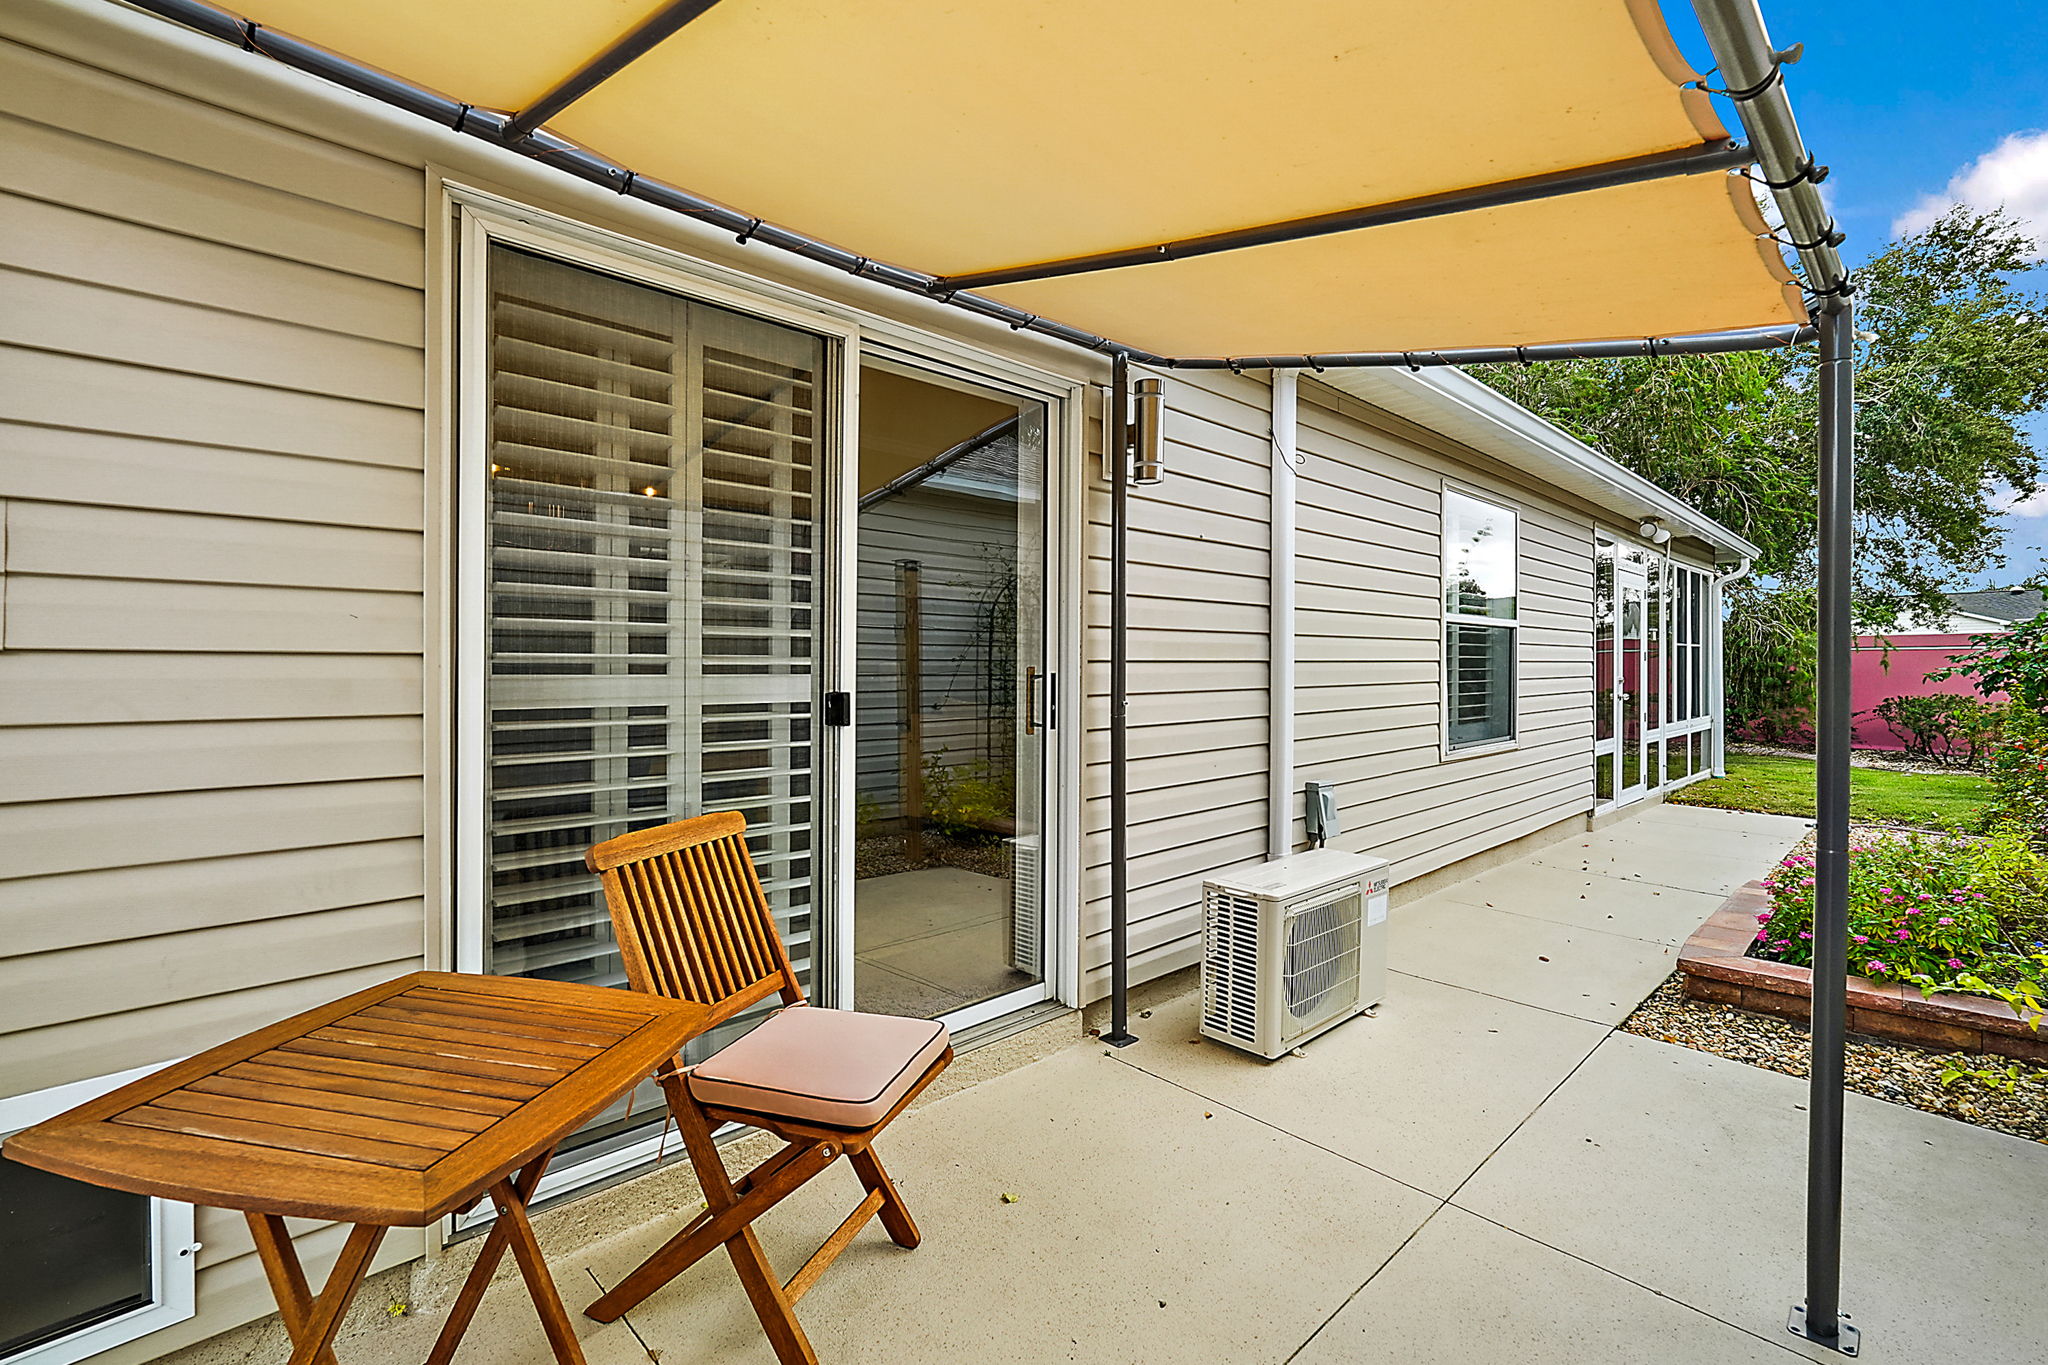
(955, 696)
(713, 560)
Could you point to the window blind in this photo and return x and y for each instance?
(651, 597)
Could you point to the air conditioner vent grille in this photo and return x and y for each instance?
(1230, 986)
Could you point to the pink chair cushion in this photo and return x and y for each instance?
(835, 1067)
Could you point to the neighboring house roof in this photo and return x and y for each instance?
(2000, 604)
(984, 464)
(1456, 405)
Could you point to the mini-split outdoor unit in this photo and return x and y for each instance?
(1293, 948)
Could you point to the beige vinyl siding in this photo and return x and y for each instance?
(1369, 659)
(1370, 573)
(1198, 673)
(211, 440)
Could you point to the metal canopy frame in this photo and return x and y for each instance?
(1752, 71)
(1711, 156)
(520, 132)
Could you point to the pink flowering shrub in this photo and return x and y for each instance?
(1917, 912)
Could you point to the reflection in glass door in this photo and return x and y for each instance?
(1636, 666)
(954, 700)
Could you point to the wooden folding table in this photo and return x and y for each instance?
(391, 1108)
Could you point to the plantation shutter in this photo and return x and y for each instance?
(653, 531)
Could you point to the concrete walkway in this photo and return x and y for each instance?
(1485, 1171)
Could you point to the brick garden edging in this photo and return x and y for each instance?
(1714, 966)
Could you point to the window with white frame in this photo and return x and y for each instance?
(84, 1268)
(1481, 586)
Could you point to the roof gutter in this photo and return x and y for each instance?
(1456, 404)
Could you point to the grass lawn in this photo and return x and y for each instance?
(1784, 786)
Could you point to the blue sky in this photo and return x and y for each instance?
(1912, 106)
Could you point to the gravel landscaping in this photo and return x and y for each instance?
(1892, 760)
(1885, 1071)
(882, 855)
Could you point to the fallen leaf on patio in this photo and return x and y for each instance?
(1009, 1198)
(398, 1310)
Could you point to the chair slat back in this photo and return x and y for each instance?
(690, 916)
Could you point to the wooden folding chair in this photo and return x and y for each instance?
(693, 923)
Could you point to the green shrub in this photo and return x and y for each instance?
(2019, 775)
(1940, 912)
(973, 803)
(2013, 661)
(2012, 873)
(1943, 725)
(1913, 909)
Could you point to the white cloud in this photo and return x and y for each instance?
(2033, 503)
(2013, 175)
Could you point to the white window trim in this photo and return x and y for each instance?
(174, 1256)
(1448, 752)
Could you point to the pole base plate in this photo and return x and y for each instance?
(1848, 1340)
(1124, 1039)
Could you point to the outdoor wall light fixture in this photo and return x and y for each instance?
(1147, 445)
(1654, 531)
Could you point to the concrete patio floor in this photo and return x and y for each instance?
(1484, 1171)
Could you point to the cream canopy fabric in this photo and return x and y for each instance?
(955, 137)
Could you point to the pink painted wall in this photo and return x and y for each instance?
(1912, 658)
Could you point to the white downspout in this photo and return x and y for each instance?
(1719, 655)
(1280, 572)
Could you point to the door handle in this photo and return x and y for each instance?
(838, 708)
(1032, 678)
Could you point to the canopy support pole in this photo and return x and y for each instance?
(654, 29)
(1116, 455)
(1820, 1319)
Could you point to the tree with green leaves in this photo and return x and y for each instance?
(1952, 356)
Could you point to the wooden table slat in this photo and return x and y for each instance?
(456, 1014)
(404, 1024)
(329, 1042)
(600, 1017)
(375, 1033)
(452, 1104)
(261, 1134)
(492, 1087)
(273, 1104)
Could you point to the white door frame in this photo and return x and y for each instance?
(1059, 841)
